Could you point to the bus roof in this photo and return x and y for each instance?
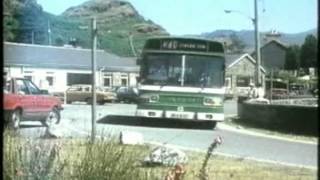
(183, 43)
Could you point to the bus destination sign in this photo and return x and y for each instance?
(183, 45)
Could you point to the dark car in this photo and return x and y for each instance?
(23, 100)
(127, 94)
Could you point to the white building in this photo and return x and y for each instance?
(56, 68)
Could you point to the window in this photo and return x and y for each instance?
(166, 69)
(124, 82)
(28, 77)
(21, 87)
(107, 79)
(243, 81)
(33, 89)
(50, 80)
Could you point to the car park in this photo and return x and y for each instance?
(83, 93)
(23, 101)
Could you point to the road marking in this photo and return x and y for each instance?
(244, 131)
(199, 150)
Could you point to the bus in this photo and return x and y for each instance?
(182, 78)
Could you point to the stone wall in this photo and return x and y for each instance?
(292, 118)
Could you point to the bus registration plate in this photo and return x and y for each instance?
(179, 115)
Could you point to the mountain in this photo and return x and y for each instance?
(121, 29)
(247, 36)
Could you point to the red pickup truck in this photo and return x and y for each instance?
(23, 100)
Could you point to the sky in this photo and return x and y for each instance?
(182, 17)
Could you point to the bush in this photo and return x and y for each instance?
(71, 159)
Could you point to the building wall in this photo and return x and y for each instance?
(59, 77)
(273, 56)
(243, 70)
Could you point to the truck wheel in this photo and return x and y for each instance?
(14, 119)
(52, 118)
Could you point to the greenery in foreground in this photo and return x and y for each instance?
(106, 159)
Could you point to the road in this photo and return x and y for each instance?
(76, 123)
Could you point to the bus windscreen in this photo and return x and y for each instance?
(199, 71)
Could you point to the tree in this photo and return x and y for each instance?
(292, 58)
(59, 41)
(308, 56)
(10, 24)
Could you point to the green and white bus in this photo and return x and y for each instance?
(182, 78)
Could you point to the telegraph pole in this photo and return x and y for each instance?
(93, 58)
(32, 37)
(49, 33)
(257, 43)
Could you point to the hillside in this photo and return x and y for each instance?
(247, 36)
(117, 22)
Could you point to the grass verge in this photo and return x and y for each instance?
(106, 159)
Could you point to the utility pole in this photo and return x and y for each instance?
(257, 43)
(49, 33)
(93, 58)
(32, 37)
(271, 85)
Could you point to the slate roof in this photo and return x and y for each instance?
(230, 58)
(16, 54)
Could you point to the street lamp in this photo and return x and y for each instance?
(257, 38)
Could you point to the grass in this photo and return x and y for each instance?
(254, 127)
(106, 159)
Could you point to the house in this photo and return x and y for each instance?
(240, 72)
(57, 68)
(273, 55)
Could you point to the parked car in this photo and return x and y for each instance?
(127, 94)
(23, 100)
(83, 93)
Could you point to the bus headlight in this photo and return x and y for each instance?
(150, 98)
(154, 98)
(212, 101)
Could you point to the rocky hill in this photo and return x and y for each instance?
(121, 29)
(118, 23)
